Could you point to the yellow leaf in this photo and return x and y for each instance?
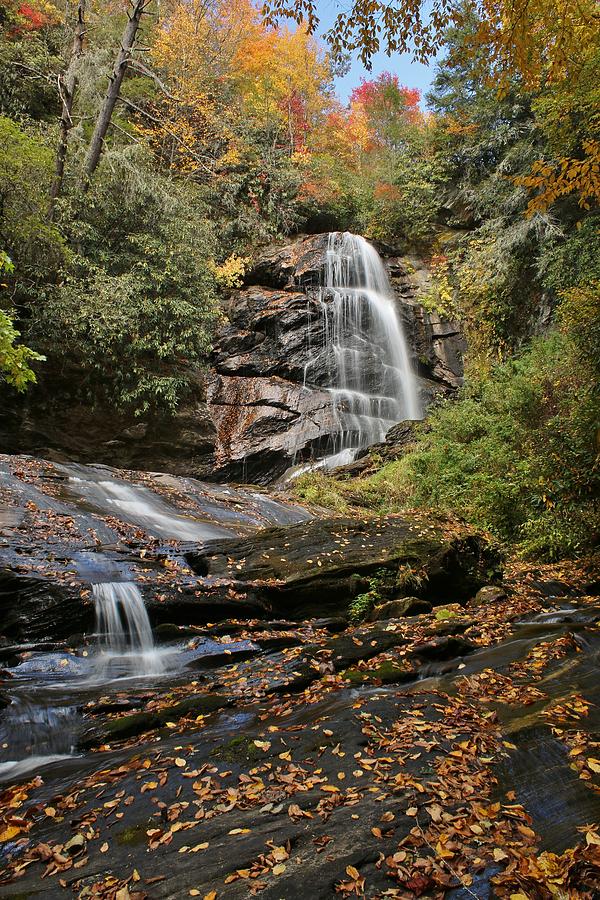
(239, 831)
(262, 745)
(180, 762)
(594, 765)
(9, 832)
(352, 872)
(499, 854)
(210, 896)
(50, 811)
(278, 869)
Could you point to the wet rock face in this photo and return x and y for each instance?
(266, 419)
(52, 422)
(319, 566)
(34, 608)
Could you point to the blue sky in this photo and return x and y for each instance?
(410, 73)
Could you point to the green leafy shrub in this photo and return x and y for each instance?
(361, 605)
(15, 359)
(137, 305)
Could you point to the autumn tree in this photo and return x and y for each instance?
(547, 44)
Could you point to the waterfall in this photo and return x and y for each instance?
(370, 377)
(125, 636)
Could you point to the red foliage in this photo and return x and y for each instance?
(33, 18)
(386, 90)
(295, 106)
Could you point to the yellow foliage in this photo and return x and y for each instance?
(552, 181)
(281, 75)
(230, 274)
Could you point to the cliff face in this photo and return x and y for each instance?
(251, 416)
(266, 417)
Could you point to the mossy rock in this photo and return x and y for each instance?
(237, 749)
(125, 727)
(130, 726)
(386, 672)
(317, 567)
(197, 705)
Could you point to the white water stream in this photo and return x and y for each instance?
(371, 379)
(124, 632)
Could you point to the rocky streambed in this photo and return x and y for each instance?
(449, 745)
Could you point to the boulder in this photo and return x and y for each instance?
(444, 648)
(488, 595)
(396, 609)
(315, 568)
(123, 727)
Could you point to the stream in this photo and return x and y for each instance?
(47, 685)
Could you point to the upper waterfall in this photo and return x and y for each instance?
(371, 378)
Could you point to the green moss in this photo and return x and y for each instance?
(442, 614)
(130, 726)
(387, 672)
(135, 834)
(138, 723)
(238, 748)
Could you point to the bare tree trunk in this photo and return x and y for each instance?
(67, 85)
(114, 89)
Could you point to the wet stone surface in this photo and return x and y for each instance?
(449, 752)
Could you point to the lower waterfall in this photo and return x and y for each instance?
(370, 376)
(125, 636)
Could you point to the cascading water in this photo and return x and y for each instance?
(125, 636)
(370, 376)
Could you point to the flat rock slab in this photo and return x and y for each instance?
(322, 564)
